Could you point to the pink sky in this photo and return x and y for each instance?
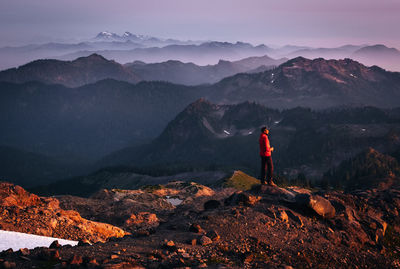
(301, 22)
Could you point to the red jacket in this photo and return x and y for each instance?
(265, 148)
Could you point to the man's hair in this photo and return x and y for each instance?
(263, 129)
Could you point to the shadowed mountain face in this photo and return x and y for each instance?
(226, 135)
(368, 169)
(313, 83)
(93, 68)
(87, 122)
(30, 169)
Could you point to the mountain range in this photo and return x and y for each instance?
(130, 47)
(202, 54)
(86, 70)
(143, 40)
(306, 141)
(206, 141)
(315, 83)
(87, 122)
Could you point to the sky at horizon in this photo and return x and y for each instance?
(316, 23)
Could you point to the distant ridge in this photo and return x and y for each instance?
(90, 69)
(81, 71)
(317, 83)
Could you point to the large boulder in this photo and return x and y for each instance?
(318, 204)
(141, 220)
(242, 198)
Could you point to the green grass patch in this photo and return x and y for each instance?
(241, 181)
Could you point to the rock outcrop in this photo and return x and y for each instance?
(22, 211)
(265, 227)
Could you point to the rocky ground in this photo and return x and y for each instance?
(265, 227)
(21, 211)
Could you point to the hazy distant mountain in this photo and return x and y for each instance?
(130, 47)
(311, 142)
(16, 56)
(72, 74)
(327, 53)
(379, 55)
(203, 54)
(144, 40)
(87, 122)
(315, 83)
(191, 74)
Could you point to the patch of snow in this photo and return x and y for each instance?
(228, 133)
(208, 125)
(106, 33)
(173, 201)
(272, 81)
(250, 132)
(354, 76)
(276, 122)
(363, 129)
(16, 240)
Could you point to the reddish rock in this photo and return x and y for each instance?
(24, 251)
(318, 204)
(28, 213)
(76, 260)
(195, 228)
(204, 240)
(169, 245)
(8, 265)
(213, 235)
(242, 198)
(141, 220)
(49, 254)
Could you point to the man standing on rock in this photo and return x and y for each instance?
(267, 168)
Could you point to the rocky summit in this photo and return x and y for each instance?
(183, 224)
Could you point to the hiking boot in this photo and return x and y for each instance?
(263, 183)
(271, 183)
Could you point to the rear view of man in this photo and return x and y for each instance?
(267, 168)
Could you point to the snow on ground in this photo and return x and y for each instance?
(17, 240)
(173, 201)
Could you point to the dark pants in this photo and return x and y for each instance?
(267, 169)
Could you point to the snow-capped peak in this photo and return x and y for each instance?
(106, 33)
(128, 34)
